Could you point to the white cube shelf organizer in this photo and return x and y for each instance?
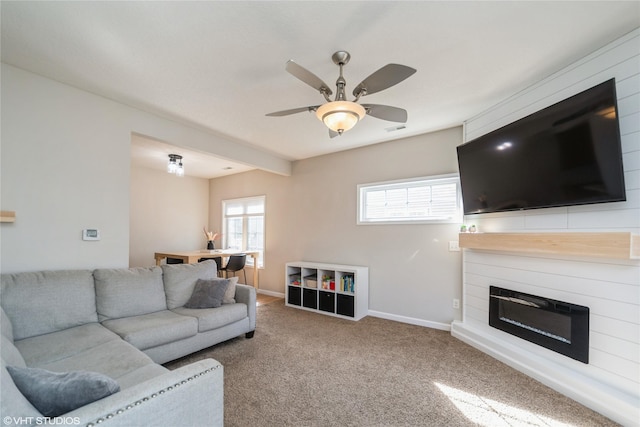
(331, 289)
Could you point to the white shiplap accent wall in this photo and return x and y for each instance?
(610, 383)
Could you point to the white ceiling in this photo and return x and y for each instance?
(153, 154)
(220, 64)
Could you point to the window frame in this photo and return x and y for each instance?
(245, 218)
(406, 183)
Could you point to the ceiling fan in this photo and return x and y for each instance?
(341, 115)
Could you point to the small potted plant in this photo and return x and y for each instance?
(211, 236)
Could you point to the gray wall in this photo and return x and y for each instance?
(65, 167)
(311, 216)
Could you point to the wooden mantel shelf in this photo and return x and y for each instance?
(7, 216)
(615, 245)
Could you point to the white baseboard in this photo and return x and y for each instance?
(610, 402)
(270, 293)
(410, 320)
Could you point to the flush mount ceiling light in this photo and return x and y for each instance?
(175, 165)
(341, 115)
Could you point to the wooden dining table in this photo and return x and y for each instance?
(192, 257)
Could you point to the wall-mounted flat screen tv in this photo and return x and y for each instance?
(566, 154)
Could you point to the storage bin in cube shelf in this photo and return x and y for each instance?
(311, 281)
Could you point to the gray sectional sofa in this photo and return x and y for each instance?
(121, 324)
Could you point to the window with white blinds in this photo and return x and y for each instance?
(427, 200)
(243, 226)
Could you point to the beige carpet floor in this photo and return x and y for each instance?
(307, 369)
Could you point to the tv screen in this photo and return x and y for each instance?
(566, 154)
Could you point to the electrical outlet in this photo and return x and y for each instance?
(454, 246)
(456, 303)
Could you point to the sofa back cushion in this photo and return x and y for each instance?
(47, 301)
(180, 280)
(10, 353)
(127, 292)
(11, 356)
(6, 328)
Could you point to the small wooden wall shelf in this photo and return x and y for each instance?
(615, 245)
(7, 216)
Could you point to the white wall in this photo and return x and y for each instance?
(610, 383)
(311, 216)
(65, 167)
(167, 214)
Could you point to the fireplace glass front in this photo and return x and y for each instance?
(559, 326)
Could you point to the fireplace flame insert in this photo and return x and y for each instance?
(559, 326)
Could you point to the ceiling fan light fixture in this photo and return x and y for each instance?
(340, 116)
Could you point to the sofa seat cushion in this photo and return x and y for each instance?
(123, 292)
(48, 348)
(48, 301)
(141, 375)
(154, 329)
(213, 318)
(114, 359)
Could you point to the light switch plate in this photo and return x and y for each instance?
(90, 234)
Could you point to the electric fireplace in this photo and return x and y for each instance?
(557, 325)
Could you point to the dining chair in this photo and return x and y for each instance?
(219, 263)
(235, 263)
(180, 261)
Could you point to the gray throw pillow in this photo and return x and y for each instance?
(230, 293)
(208, 293)
(56, 393)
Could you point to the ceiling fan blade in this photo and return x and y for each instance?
(385, 77)
(292, 111)
(307, 76)
(386, 112)
(333, 133)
